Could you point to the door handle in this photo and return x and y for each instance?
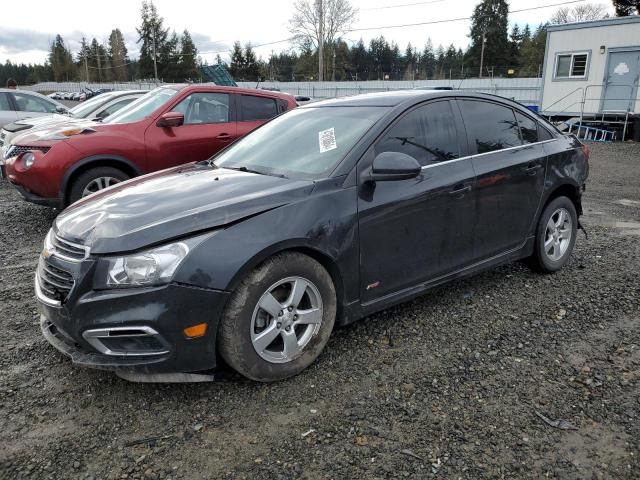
(224, 136)
(532, 169)
(459, 191)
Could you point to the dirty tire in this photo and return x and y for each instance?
(84, 179)
(540, 261)
(234, 337)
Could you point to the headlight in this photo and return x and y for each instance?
(27, 159)
(153, 267)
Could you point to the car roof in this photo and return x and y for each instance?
(212, 87)
(398, 98)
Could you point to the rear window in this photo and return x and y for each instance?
(257, 108)
(490, 126)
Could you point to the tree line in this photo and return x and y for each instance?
(168, 56)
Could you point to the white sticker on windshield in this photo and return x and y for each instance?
(327, 140)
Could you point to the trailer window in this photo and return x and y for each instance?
(572, 65)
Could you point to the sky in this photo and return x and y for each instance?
(215, 25)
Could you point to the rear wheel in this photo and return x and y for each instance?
(279, 318)
(556, 235)
(94, 180)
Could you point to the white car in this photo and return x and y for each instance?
(21, 104)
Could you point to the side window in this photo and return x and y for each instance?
(114, 107)
(427, 133)
(543, 133)
(572, 65)
(257, 108)
(201, 108)
(490, 127)
(4, 102)
(528, 128)
(31, 103)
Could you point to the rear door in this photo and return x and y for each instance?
(7, 112)
(418, 229)
(254, 110)
(209, 126)
(510, 163)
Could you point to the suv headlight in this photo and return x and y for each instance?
(152, 267)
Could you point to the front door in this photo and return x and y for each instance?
(208, 127)
(419, 229)
(510, 164)
(621, 83)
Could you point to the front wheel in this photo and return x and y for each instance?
(94, 180)
(555, 236)
(279, 318)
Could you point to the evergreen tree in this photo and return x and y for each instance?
(532, 51)
(61, 61)
(118, 58)
(489, 22)
(360, 60)
(428, 61)
(188, 57)
(624, 8)
(168, 59)
(251, 66)
(83, 60)
(152, 36)
(515, 42)
(236, 68)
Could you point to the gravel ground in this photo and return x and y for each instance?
(509, 374)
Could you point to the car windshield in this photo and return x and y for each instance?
(307, 143)
(85, 109)
(142, 107)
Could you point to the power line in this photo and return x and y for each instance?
(432, 22)
(404, 5)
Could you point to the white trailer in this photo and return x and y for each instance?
(591, 73)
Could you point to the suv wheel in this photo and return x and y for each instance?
(94, 180)
(279, 318)
(556, 235)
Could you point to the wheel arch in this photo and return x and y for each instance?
(572, 191)
(94, 161)
(324, 259)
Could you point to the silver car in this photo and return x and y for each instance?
(96, 108)
(22, 104)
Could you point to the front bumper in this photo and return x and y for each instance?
(29, 196)
(166, 310)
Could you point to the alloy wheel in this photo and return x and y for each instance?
(285, 319)
(98, 184)
(558, 234)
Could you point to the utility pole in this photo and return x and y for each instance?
(333, 68)
(86, 66)
(320, 41)
(99, 63)
(155, 64)
(484, 40)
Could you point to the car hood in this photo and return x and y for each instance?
(37, 121)
(169, 204)
(49, 131)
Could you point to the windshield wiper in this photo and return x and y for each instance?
(259, 172)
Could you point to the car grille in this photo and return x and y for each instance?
(16, 150)
(67, 250)
(55, 283)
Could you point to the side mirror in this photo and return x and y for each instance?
(170, 119)
(62, 110)
(394, 166)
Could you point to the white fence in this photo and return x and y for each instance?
(523, 90)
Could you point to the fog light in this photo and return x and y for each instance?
(195, 331)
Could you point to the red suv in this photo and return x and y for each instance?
(171, 125)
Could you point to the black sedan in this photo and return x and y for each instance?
(322, 216)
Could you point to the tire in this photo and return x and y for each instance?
(552, 248)
(92, 178)
(254, 342)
